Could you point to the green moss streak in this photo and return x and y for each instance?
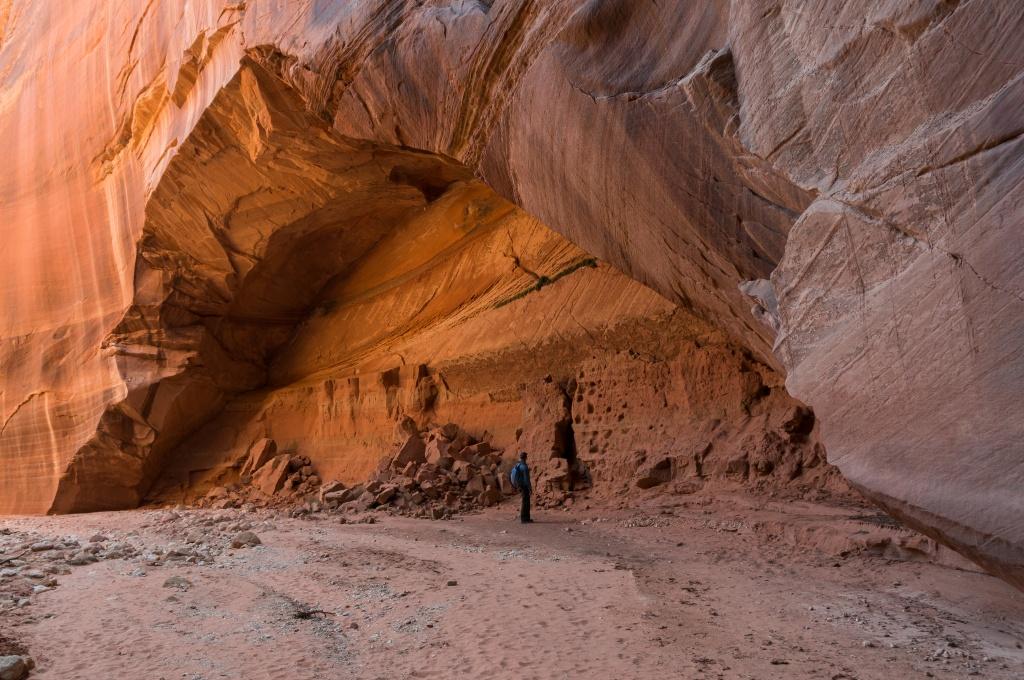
(547, 280)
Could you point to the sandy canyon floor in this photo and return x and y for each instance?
(731, 587)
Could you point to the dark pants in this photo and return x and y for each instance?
(524, 510)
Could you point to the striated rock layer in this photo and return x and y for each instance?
(226, 221)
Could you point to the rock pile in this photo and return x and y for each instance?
(434, 474)
(265, 476)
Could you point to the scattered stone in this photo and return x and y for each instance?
(246, 539)
(82, 558)
(13, 668)
(179, 582)
(453, 583)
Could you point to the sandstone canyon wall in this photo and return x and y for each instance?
(227, 220)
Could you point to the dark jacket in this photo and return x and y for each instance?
(522, 476)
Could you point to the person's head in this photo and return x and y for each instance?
(522, 455)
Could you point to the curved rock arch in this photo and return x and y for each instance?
(694, 146)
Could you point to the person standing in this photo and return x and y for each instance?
(520, 478)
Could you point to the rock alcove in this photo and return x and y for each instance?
(298, 285)
(302, 219)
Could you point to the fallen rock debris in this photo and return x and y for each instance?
(434, 473)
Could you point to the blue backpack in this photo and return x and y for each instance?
(514, 476)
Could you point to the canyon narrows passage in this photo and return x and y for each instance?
(663, 223)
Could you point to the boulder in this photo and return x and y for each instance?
(365, 501)
(476, 485)
(489, 496)
(504, 482)
(297, 462)
(426, 473)
(216, 492)
(449, 431)
(462, 471)
(350, 494)
(429, 489)
(245, 539)
(436, 449)
(260, 451)
(270, 478)
(335, 488)
(403, 482)
(384, 468)
(412, 451)
(386, 494)
(334, 498)
(13, 668)
(473, 453)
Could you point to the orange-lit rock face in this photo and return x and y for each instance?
(221, 217)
